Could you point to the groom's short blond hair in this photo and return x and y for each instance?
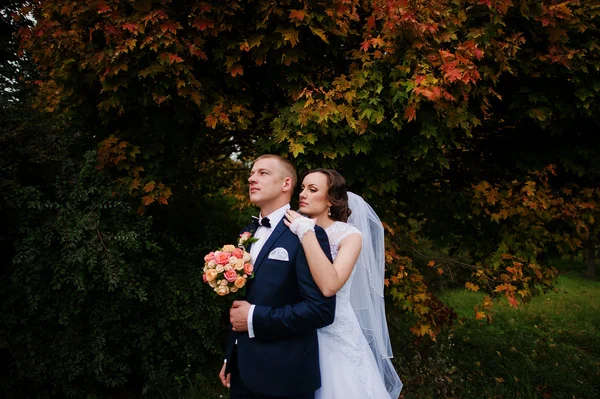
(286, 167)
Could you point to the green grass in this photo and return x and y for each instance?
(550, 348)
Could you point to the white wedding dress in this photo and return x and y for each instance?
(348, 366)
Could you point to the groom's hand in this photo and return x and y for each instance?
(225, 379)
(238, 315)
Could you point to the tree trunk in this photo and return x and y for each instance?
(591, 260)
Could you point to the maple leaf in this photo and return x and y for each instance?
(431, 263)
(149, 187)
(365, 45)
(174, 58)
(170, 26)
(479, 315)
(211, 121)
(410, 112)
(236, 69)
(471, 286)
(297, 14)
(370, 22)
(147, 200)
(203, 23)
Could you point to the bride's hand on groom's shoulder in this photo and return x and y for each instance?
(298, 224)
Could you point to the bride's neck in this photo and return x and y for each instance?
(324, 221)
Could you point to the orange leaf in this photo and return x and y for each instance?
(236, 69)
(471, 286)
(480, 315)
(149, 187)
(431, 263)
(386, 282)
(147, 200)
(297, 14)
(163, 200)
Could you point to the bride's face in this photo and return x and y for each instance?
(314, 200)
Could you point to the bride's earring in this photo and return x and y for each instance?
(329, 211)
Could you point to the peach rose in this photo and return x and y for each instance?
(246, 257)
(232, 260)
(211, 264)
(245, 236)
(233, 289)
(240, 282)
(229, 248)
(230, 275)
(238, 253)
(221, 258)
(239, 264)
(223, 282)
(219, 269)
(211, 274)
(248, 268)
(222, 290)
(227, 268)
(213, 283)
(209, 257)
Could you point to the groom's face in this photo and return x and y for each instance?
(266, 181)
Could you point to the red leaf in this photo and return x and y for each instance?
(410, 112)
(169, 26)
(147, 200)
(203, 23)
(365, 45)
(371, 22)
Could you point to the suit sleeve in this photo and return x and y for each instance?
(312, 312)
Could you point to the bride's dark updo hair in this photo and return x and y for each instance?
(337, 194)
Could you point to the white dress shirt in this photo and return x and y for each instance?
(263, 233)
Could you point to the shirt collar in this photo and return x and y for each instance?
(276, 216)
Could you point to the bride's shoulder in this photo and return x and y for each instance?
(347, 229)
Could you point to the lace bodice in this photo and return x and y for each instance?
(336, 233)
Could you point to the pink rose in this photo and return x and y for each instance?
(204, 277)
(211, 264)
(227, 268)
(230, 275)
(248, 268)
(240, 282)
(238, 253)
(232, 260)
(209, 257)
(245, 236)
(222, 258)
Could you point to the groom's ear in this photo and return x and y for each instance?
(287, 185)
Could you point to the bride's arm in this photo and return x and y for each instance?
(329, 277)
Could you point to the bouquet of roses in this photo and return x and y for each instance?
(228, 269)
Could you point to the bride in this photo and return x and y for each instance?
(354, 351)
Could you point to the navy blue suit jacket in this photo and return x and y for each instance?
(283, 357)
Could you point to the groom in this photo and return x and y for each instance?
(272, 350)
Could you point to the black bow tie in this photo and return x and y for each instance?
(263, 222)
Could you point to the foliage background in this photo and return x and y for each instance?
(128, 128)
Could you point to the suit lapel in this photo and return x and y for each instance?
(279, 229)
